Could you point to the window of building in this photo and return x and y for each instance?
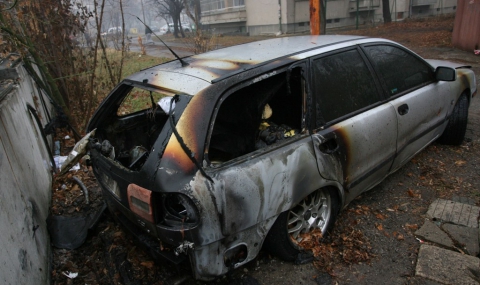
(212, 5)
(343, 84)
(237, 3)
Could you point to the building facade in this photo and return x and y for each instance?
(258, 17)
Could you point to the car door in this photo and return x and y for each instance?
(261, 171)
(420, 102)
(354, 133)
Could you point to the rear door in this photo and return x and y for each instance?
(421, 103)
(354, 133)
(261, 158)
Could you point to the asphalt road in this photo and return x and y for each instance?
(157, 49)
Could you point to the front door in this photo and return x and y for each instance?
(355, 136)
(419, 101)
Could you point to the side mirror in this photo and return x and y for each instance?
(443, 73)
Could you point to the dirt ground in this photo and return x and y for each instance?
(373, 241)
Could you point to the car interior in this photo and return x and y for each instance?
(241, 125)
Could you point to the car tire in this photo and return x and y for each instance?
(318, 210)
(456, 128)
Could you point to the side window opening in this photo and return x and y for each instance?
(260, 114)
(399, 69)
(343, 84)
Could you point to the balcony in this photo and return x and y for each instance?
(363, 5)
(423, 2)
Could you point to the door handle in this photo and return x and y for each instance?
(403, 109)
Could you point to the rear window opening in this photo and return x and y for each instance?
(128, 135)
(261, 114)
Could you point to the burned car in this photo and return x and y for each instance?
(212, 157)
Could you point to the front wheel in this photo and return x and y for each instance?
(456, 128)
(317, 211)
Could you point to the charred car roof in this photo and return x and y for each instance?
(207, 68)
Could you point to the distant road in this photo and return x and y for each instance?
(159, 50)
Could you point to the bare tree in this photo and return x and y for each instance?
(45, 32)
(203, 40)
(48, 34)
(387, 17)
(196, 16)
(172, 8)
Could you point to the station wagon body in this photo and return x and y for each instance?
(208, 177)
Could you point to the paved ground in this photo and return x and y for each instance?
(450, 243)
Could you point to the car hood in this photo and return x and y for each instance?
(436, 63)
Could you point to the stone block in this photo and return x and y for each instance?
(446, 266)
(465, 236)
(432, 233)
(454, 212)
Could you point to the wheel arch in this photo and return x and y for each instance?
(467, 92)
(278, 240)
(334, 187)
(338, 189)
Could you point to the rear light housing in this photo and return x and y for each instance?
(178, 210)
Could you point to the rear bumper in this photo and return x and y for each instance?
(125, 217)
(206, 262)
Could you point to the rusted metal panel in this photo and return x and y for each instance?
(466, 31)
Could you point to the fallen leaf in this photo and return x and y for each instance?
(411, 227)
(380, 227)
(75, 188)
(380, 216)
(400, 237)
(410, 193)
(460, 162)
(147, 264)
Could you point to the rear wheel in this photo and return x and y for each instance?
(456, 128)
(317, 211)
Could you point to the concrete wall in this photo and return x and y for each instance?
(25, 179)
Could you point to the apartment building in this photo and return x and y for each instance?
(292, 16)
